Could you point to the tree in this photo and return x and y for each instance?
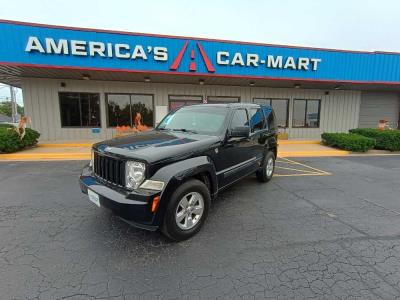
(5, 108)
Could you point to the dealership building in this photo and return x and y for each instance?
(81, 84)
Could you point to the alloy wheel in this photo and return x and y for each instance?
(189, 210)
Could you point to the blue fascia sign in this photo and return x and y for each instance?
(24, 44)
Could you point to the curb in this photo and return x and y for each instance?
(86, 145)
(313, 153)
(299, 142)
(44, 156)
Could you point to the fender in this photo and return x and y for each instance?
(270, 144)
(174, 174)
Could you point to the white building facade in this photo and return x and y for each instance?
(81, 84)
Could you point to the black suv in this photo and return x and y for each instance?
(166, 178)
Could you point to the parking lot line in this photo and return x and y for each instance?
(300, 169)
(283, 168)
(300, 174)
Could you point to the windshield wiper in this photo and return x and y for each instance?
(184, 130)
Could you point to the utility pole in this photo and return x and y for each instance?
(14, 112)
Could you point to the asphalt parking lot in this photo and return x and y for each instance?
(333, 235)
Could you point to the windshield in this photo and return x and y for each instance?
(195, 119)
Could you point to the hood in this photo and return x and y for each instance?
(155, 146)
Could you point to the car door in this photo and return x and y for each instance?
(234, 157)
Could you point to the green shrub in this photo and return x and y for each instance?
(348, 141)
(11, 142)
(385, 139)
(6, 126)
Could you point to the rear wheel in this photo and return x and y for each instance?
(267, 171)
(187, 210)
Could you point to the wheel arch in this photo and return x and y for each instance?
(173, 175)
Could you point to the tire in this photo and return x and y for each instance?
(181, 223)
(265, 173)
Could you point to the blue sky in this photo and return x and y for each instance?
(344, 24)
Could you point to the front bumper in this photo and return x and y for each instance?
(134, 207)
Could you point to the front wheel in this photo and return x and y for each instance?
(187, 210)
(267, 171)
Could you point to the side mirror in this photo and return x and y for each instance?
(240, 132)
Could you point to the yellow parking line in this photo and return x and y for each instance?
(286, 162)
(304, 174)
(293, 169)
(304, 165)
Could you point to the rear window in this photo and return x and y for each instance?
(269, 116)
(257, 121)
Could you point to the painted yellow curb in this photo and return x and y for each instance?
(312, 153)
(298, 142)
(66, 145)
(44, 156)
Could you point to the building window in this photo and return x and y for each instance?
(306, 113)
(79, 109)
(123, 108)
(176, 101)
(281, 109)
(222, 99)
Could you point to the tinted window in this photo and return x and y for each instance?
(79, 109)
(198, 119)
(264, 101)
(222, 99)
(123, 108)
(312, 116)
(239, 118)
(269, 116)
(119, 110)
(281, 109)
(299, 112)
(142, 104)
(306, 113)
(256, 119)
(176, 101)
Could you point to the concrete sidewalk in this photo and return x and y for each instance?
(80, 150)
(47, 153)
(299, 148)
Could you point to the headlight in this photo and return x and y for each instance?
(134, 174)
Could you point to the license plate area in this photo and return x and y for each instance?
(93, 197)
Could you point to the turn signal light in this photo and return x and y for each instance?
(155, 203)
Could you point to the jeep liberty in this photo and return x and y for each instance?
(165, 178)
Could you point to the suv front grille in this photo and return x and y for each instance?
(109, 169)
